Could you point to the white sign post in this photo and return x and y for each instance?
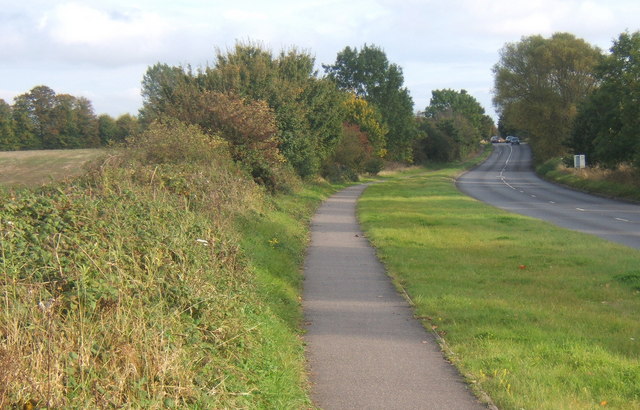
(579, 161)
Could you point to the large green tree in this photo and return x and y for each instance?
(43, 119)
(448, 103)
(607, 128)
(308, 110)
(8, 140)
(453, 125)
(164, 89)
(538, 84)
(72, 124)
(369, 74)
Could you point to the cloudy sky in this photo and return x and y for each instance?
(100, 49)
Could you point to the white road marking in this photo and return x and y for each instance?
(580, 209)
(622, 220)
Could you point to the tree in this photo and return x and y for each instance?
(433, 144)
(307, 108)
(8, 140)
(33, 116)
(127, 126)
(162, 87)
(350, 157)
(539, 83)
(607, 128)
(454, 121)
(72, 124)
(45, 120)
(445, 103)
(369, 75)
(448, 104)
(107, 129)
(369, 120)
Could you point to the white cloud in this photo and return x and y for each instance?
(101, 48)
(81, 32)
(74, 23)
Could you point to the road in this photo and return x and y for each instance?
(506, 180)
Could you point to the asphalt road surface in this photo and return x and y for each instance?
(364, 347)
(506, 180)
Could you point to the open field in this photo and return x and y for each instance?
(536, 316)
(32, 168)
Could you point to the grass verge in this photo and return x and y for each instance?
(536, 316)
(621, 183)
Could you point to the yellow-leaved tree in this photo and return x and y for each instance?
(359, 112)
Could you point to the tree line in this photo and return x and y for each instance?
(568, 97)
(42, 119)
(280, 117)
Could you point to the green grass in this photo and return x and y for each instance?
(536, 316)
(33, 168)
(274, 240)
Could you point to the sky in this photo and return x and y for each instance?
(101, 49)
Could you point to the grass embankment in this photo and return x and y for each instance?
(164, 278)
(536, 316)
(622, 183)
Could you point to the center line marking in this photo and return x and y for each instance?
(580, 209)
(622, 220)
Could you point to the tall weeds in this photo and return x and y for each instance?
(127, 288)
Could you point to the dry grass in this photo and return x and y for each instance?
(621, 183)
(128, 288)
(394, 168)
(34, 168)
(624, 174)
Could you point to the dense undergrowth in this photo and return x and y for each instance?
(134, 287)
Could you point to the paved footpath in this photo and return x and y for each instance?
(365, 349)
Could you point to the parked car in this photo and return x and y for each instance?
(508, 139)
(495, 139)
(515, 141)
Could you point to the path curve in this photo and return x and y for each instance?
(364, 347)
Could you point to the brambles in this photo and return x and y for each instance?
(129, 288)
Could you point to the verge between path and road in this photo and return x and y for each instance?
(364, 347)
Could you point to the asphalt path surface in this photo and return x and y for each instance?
(365, 349)
(506, 180)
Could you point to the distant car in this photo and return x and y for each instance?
(508, 139)
(515, 141)
(495, 139)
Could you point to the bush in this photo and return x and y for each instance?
(173, 142)
(351, 156)
(374, 165)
